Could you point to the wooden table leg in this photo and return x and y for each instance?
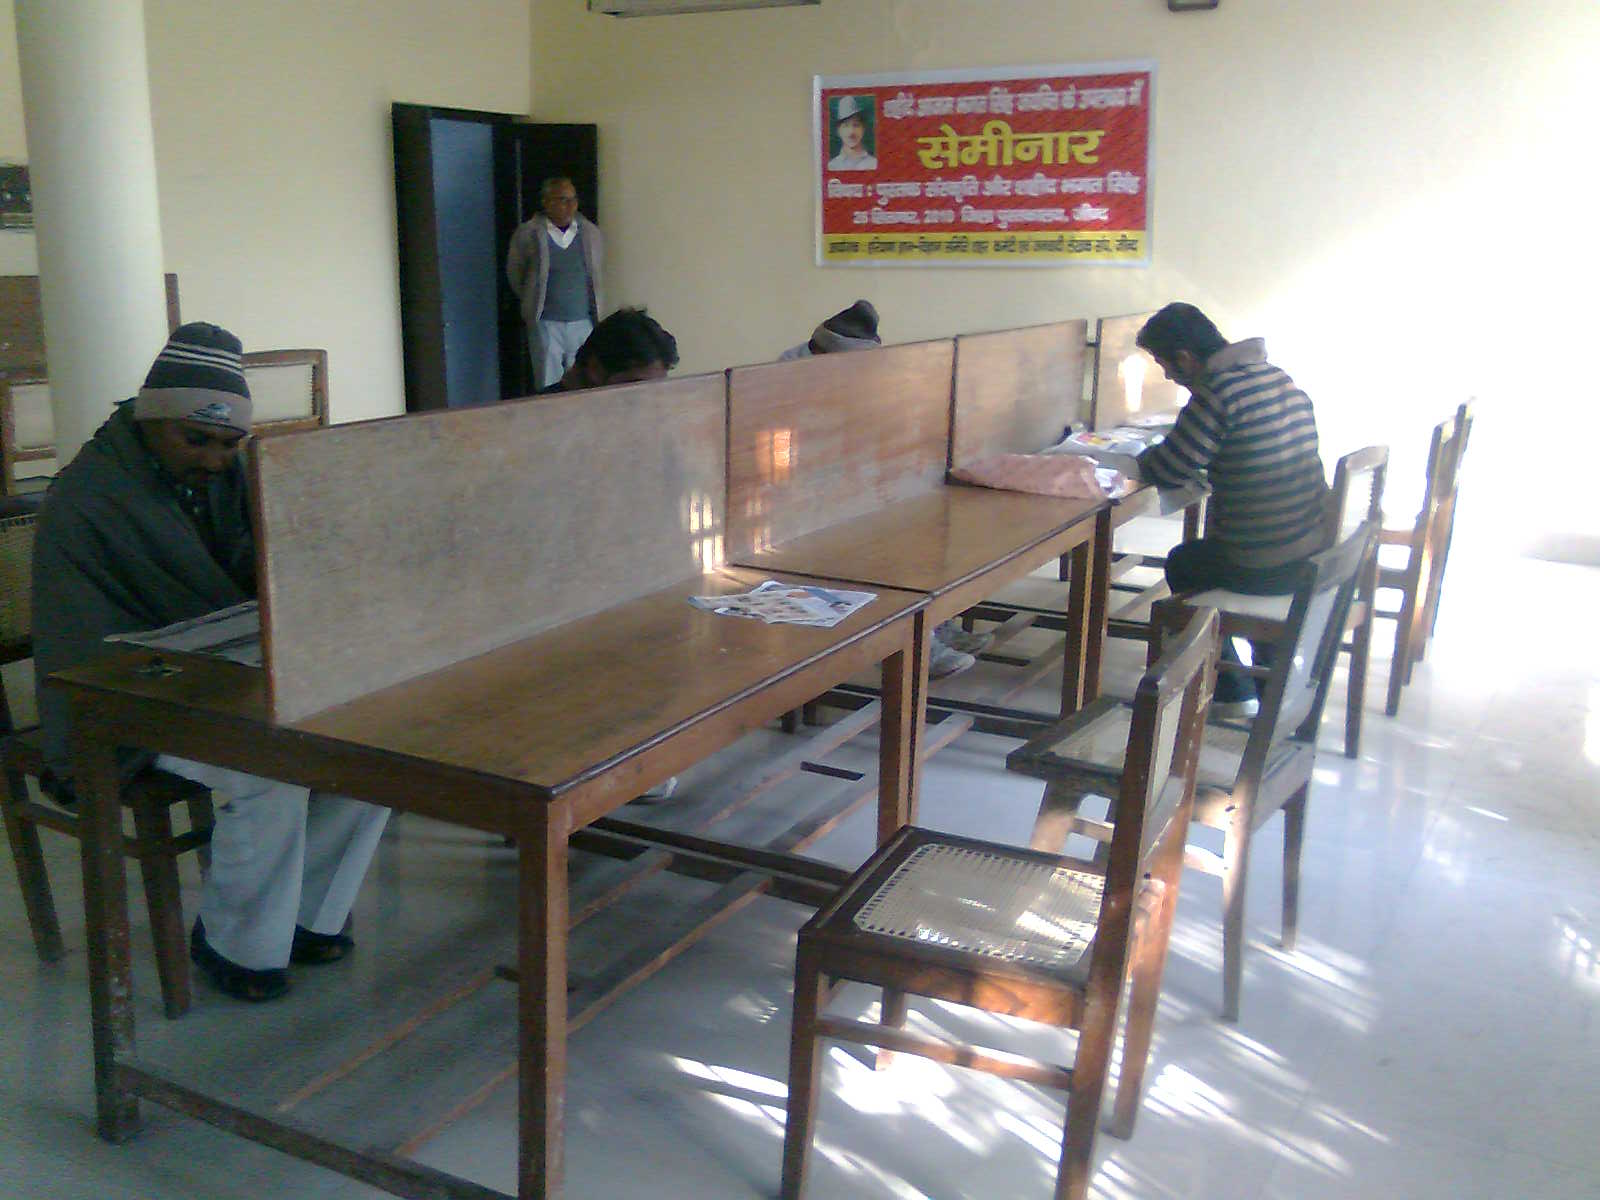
(900, 729)
(105, 907)
(541, 1000)
(1099, 603)
(1080, 566)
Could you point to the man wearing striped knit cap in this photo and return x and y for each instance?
(150, 524)
(1249, 433)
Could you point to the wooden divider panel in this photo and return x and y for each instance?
(393, 548)
(1017, 391)
(820, 440)
(1127, 381)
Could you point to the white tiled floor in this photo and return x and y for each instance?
(1436, 1035)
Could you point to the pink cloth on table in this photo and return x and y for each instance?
(1071, 476)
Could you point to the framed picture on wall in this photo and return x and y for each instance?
(16, 197)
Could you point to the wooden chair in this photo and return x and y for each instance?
(1427, 545)
(289, 389)
(26, 433)
(1248, 771)
(1019, 932)
(150, 796)
(1357, 499)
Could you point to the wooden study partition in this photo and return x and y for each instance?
(819, 441)
(454, 533)
(481, 616)
(1127, 381)
(1017, 391)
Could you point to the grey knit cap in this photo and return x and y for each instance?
(198, 376)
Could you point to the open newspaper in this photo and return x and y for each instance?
(788, 604)
(230, 633)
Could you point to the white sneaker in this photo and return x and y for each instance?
(957, 638)
(944, 661)
(661, 791)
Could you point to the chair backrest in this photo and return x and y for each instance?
(1357, 496)
(288, 389)
(26, 429)
(22, 321)
(1164, 734)
(16, 586)
(1307, 646)
(1445, 450)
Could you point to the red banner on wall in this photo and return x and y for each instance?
(1037, 165)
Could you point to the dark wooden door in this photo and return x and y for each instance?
(464, 181)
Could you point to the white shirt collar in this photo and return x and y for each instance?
(562, 237)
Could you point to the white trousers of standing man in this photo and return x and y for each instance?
(281, 856)
(553, 346)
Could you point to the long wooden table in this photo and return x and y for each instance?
(960, 545)
(534, 741)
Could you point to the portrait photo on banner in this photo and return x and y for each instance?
(1019, 166)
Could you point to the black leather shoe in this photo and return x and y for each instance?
(242, 983)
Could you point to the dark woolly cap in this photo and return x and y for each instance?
(856, 328)
(198, 376)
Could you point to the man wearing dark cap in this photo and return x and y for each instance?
(148, 525)
(629, 346)
(856, 328)
(951, 649)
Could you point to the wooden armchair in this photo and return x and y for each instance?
(150, 796)
(1427, 544)
(1248, 771)
(1019, 932)
(26, 433)
(289, 389)
(1357, 499)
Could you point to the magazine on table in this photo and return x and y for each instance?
(788, 604)
(231, 633)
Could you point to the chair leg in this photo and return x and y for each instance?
(203, 816)
(811, 712)
(790, 721)
(1058, 811)
(1400, 664)
(1294, 829)
(1360, 654)
(892, 1012)
(1149, 958)
(1089, 1070)
(805, 1072)
(158, 866)
(32, 877)
(1235, 869)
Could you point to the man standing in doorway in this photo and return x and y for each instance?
(554, 268)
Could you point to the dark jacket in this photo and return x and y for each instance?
(117, 551)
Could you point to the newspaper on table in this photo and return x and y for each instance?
(1117, 449)
(230, 633)
(788, 604)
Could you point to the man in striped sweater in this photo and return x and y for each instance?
(1250, 434)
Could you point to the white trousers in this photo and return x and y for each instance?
(281, 856)
(553, 347)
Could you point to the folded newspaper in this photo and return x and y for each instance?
(788, 604)
(230, 633)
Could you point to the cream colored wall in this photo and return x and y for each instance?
(274, 160)
(1396, 194)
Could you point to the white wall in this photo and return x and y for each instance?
(1396, 193)
(274, 160)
